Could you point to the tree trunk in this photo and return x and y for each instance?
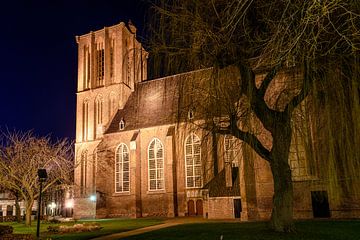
(29, 205)
(17, 209)
(282, 212)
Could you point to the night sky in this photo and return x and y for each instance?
(38, 69)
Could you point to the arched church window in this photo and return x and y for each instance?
(122, 169)
(230, 150)
(193, 161)
(156, 165)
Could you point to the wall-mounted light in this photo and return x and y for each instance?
(93, 198)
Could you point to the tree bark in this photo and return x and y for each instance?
(282, 212)
(29, 205)
(17, 209)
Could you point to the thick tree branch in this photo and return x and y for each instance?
(306, 87)
(266, 82)
(257, 103)
(250, 139)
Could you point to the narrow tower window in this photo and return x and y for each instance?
(99, 115)
(86, 67)
(85, 120)
(112, 53)
(100, 65)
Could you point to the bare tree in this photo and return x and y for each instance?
(266, 58)
(22, 154)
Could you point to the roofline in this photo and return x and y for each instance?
(175, 75)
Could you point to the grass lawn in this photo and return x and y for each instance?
(306, 230)
(109, 226)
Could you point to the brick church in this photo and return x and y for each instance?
(136, 158)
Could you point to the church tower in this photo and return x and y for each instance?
(110, 62)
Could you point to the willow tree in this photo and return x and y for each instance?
(22, 154)
(314, 43)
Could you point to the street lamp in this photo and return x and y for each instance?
(42, 175)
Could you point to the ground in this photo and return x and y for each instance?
(196, 228)
(110, 226)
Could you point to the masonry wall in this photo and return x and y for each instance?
(220, 208)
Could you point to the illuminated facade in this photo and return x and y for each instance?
(134, 158)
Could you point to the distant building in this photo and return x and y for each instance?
(7, 206)
(135, 158)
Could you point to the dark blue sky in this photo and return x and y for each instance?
(38, 63)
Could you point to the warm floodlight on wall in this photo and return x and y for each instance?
(69, 203)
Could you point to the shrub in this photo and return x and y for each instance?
(4, 229)
(79, 227)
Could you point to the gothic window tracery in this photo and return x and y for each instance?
(156, 165)
(122, 169)
(193, 161)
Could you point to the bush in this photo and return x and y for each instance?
(17, 237)
(80, 227)
(4, 229)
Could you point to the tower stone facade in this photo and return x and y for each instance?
(110, 63)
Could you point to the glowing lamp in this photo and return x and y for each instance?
(52, 205)
(69, 203)
(93, 198)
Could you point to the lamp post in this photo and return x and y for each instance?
(42, 174)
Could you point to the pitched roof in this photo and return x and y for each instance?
(153, 103)
(217, 185)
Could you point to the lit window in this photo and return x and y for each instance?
(231, 150)
(193, 161)
(122, 124)
(122, 169)
(156, 165)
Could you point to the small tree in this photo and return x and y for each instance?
(22, 154)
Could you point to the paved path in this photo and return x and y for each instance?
(168, 223)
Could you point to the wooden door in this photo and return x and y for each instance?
(191, 208)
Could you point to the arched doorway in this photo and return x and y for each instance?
(199, 207)
(191, 208)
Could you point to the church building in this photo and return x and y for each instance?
(135, 157)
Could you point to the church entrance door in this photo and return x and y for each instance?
(191, 208)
